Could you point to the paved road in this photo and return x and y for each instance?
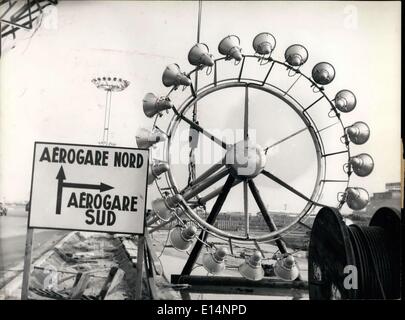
(13, 229)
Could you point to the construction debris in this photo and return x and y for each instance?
(91, 266)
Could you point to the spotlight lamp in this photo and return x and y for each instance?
(199, 56)
(296, 55)
(153, 105)
(174, 77)
(264, 43)
(182, 238)
(230, 48)
(345, 101)
(362, 164)
(358, 132)
(252, 269)
(146, 138)
(214, 262)
(356, 198)
(286, 268)
(156, 169)
(164, 207)
(260, 73)
(323, 73)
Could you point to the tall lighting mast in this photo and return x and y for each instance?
(109, 85)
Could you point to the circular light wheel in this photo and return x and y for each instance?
(244, 161)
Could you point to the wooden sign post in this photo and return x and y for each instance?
(27, 264)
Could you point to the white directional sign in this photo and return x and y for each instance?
(88, 188)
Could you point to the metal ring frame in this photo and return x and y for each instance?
(301, 111)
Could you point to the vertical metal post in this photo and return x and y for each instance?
(139, 267)
(105, 117)
(109, 115)
(27, 264)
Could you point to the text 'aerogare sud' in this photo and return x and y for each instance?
(88, 188)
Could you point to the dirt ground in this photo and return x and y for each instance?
(93, 266)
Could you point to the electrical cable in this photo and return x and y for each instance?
(373, 261)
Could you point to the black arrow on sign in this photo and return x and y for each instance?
(61, 177)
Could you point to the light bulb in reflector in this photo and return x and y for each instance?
(356, 198)
(199, 55)
(323, 73)
(146, 138)
(229, 47)
(358, 132)
(173, 76)
(296, 55)
(163, 208)
(264, 43)
(286, 268)
(156, 169)
(182, 238)
(214, 262)
(153, 104)
(252, 269)
(345, 101)
(362, 164)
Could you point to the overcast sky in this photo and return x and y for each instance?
(46, 93)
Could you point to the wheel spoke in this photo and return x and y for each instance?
(246, 207)
(288, 187)
(214, 193)
(246, 115)
(210, 220)
(221, 199)
(284, 139)
(202, 130)
(214, 168)
(192, 191)
(267, 218)
(294, 134)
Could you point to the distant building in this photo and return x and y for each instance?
(391, 197)
(393, 186)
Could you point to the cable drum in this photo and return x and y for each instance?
(373, 261)
(373, 250)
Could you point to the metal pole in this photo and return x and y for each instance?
(27, 264)
(272, 226)
(192, 192)
(105, 117)
(139, 267)
(211, 219)
(109, 115)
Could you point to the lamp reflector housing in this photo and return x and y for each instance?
(286, 268)
(146, 138)
(163, 208)
(153, 105)
(323, 73)
(182, 238)
(345, 101)
(252, 269)
(230, 47)
(264, 43)
(214, 262)
(199, 55)
(296, 55)
(356, 198)
(358, 132)
(156, 169)
(172, 76)
(362, 164)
